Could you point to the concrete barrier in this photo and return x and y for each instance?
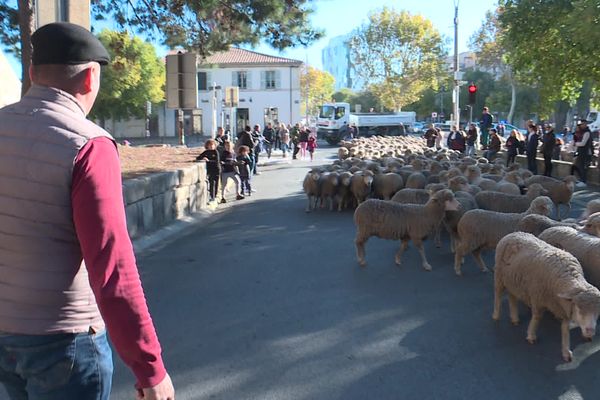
(156, 200)
(560, 169)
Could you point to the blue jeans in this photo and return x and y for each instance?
(53, 367)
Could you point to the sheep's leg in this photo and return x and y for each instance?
(331, 203)
(452, 242)
(513, 308)
(400, 251)
(567, 354)
(438, 234)
(458, 261)
(360, 249)
(567, 213)
(536, 316)
(419, 245)
(317, 201)
(479, 260)
(498, 290)
(309, 204)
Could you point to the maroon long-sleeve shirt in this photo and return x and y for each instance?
(99, 217)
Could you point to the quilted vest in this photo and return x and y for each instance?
(44, 286)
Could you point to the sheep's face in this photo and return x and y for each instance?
(586, 310)
(542, 205)
(592, 225)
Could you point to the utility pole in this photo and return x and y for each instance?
(456, 92)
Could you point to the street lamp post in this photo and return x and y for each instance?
(456, 92)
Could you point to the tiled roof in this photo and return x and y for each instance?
(237, 56)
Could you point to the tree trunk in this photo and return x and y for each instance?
(513, 98)
(26, 26)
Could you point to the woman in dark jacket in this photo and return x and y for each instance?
(548, 143)
(532, 148)
(512, 147)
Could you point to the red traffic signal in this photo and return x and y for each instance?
(472, 94)
(472, 88)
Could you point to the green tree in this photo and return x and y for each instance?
(552, 44)
(400, 54)
(317, 86)
(135, 75)
(203, 25)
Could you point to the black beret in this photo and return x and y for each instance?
(66, 43)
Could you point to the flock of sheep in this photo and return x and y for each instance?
(404, 191)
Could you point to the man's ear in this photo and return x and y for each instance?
(88, 80)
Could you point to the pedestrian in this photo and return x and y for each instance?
(68, 272)
(303, 142)
(439, 138)
(547, 149)
(430, 136)
(556, 154)
(244, 163)
(213, 166)
(494, 145)
(268, 137)
(456, 140)
(584, 149)
(284, 135)
(311, 146)
(220, 139)
(471, 140)
(278, 136)
(532, 148)
(257, 138)
(229, 170)
(512, 147)
(485, 125)
(295, 137)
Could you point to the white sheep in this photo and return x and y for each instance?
(483, 229)
(509, 203)
(592, 207)
(411, 196)
(360, 185)
(544, 278)
(386, 185)
(329, 188)
(312, 188)
(560, 191)
(585, 247)
(536, 224)
(396, 221)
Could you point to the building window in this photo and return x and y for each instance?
(204, 80)
(241, 79)
(270, 80)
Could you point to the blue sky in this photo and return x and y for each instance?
(339, 17)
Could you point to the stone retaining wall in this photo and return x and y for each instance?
(156, 200)
(561, 169)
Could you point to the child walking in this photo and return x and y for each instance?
(230, 171)
(244, 165)
(213, 166)
(311, 146)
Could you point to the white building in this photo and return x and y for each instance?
(269, 90)
(337, 61)
(10, 83)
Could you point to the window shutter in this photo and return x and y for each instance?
(263, 79)
(234, 78)
(249, 79)
(277, 79)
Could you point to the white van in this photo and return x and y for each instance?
(593, 119)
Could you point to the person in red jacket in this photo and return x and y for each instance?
(77, 278)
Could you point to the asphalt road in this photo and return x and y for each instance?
(268, 302)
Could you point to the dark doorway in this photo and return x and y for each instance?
(242, 119)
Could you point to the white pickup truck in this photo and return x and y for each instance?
(335, 118)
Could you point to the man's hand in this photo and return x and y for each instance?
(163, 391)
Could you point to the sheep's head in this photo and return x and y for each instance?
(314, 174)
(541, 205)
(570, 182)
(368, 177)
(345, 178)
(585, 310)
(591, 225)
(446, 198)
(473, 172)
(459, 183)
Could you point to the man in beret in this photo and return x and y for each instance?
(67, 268)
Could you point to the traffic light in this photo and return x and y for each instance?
(472, 93)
